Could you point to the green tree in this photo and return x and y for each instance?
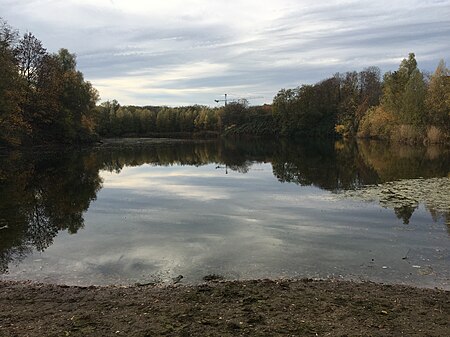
(67, 60)
(438, 97)
(148, 120)
(370, 85)
(78, 100)
(187, 119)
(12, 121)
(359, 92)
(61, 103)
(233, 114)
(395, 84)
(68, 99)
(413, 104)
(45, 108)
(348, 105)
(309, 110)
(408, 66)
(284, 107)
(105, 118)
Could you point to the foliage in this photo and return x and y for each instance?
(437, 100)
(43, 98)
(406, 133)
(309, 110)
(12, 122)
(241, 120)
(436, 135)
(335, 105)
(411, 111)
(394, 87)
(413, 104)
(233, 114)
(29, 55)
(377, 123)
(41, 195)
(358, 92)
(113, 120)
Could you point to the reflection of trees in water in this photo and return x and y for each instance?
(337, 167)
(405, 212)
(43, 194)
(401, 169)
(343, 166)
(237, 156)
(399, 161)
(376, 171)
(115, 158)
(404, 196)
(330, 166)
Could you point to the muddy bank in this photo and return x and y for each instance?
(244, 308)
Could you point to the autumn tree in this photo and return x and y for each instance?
(45, 111)
(309, 110)
(359, 92)
(350, 99)
(12, 122)
(285, 108)
(232, 114)
(438, 97)
(105, 118)
(411, 110)
(370, 85)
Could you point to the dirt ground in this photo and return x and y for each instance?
(232, 308)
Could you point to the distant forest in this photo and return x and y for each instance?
(44, 99)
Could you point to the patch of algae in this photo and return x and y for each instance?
(433, 192)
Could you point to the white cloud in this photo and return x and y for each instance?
(187, 52)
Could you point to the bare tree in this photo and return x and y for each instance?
(30, 54)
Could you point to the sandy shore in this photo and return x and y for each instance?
(232, 308)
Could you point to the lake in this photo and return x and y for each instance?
(150, 210)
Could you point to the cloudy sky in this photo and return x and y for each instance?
(176, 52)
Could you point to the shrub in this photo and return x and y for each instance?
(435, 135)
(407, 133)
(377, 123)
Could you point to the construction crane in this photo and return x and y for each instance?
(240, 100)
(222, 100)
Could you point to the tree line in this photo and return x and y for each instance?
(45, 99)
(405, 105)
(114, 120)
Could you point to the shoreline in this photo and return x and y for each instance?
(264, 307)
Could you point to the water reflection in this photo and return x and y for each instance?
(41, 195)
(45, 193)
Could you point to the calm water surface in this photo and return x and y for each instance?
(151, 211)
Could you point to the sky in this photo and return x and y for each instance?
(184, 52)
